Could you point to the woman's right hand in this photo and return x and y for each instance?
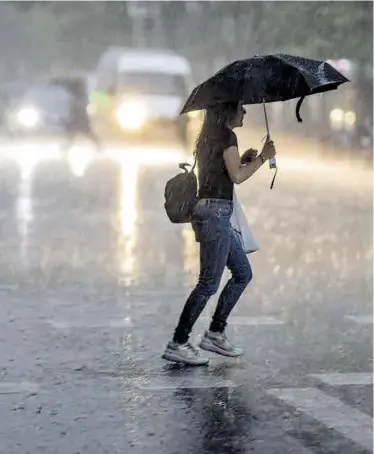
(268, 150)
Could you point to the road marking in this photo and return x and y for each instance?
(269, 437)
(183, 383)
(121, 323)
(249, 321)
(331, 412)
(336, 379)
(18, 388)
(361, 319)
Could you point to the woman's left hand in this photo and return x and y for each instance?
(249, 156)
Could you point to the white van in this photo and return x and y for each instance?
(141, 92)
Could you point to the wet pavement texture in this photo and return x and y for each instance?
(93, 279)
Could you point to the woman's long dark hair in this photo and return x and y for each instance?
(216, 118)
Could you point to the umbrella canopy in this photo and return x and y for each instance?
(264, 79)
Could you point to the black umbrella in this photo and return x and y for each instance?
(263, 79)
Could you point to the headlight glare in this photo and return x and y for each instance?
(193, 114)
(337, 116)
(350, 118)
(28, 117)
(131, 115)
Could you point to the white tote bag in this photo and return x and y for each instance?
(240, 226)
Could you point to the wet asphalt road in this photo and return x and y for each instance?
(93, 278)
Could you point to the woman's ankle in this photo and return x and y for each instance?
(217, 327)
(181, 340)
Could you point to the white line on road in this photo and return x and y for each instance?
(337, 379)
(361, 319)
(331, 412)
(18, 388)
(269, 438)
(184, 383)
(250, 321)
(121, 323)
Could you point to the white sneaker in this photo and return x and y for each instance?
(184, 353)
(218, 343)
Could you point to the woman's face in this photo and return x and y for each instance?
(238, 120)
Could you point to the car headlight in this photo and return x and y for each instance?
(350, 118)
(29, 117)
(340, 119)
(131, 115)
(337, 117)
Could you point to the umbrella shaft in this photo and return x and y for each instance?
(266, 121)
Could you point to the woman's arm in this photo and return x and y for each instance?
(236, 170)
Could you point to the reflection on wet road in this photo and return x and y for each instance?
(56, 212)
(93, 277)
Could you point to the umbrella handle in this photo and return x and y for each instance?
(272, 161)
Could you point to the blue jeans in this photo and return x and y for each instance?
(219, 247)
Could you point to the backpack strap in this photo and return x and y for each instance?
(184, 165)
(195, 161)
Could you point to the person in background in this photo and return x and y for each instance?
(219, 168)
(79, 121)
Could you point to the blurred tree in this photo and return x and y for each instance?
(209, 33)
(320, 29)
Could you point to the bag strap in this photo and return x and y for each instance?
(184, 165)
(275, 174)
